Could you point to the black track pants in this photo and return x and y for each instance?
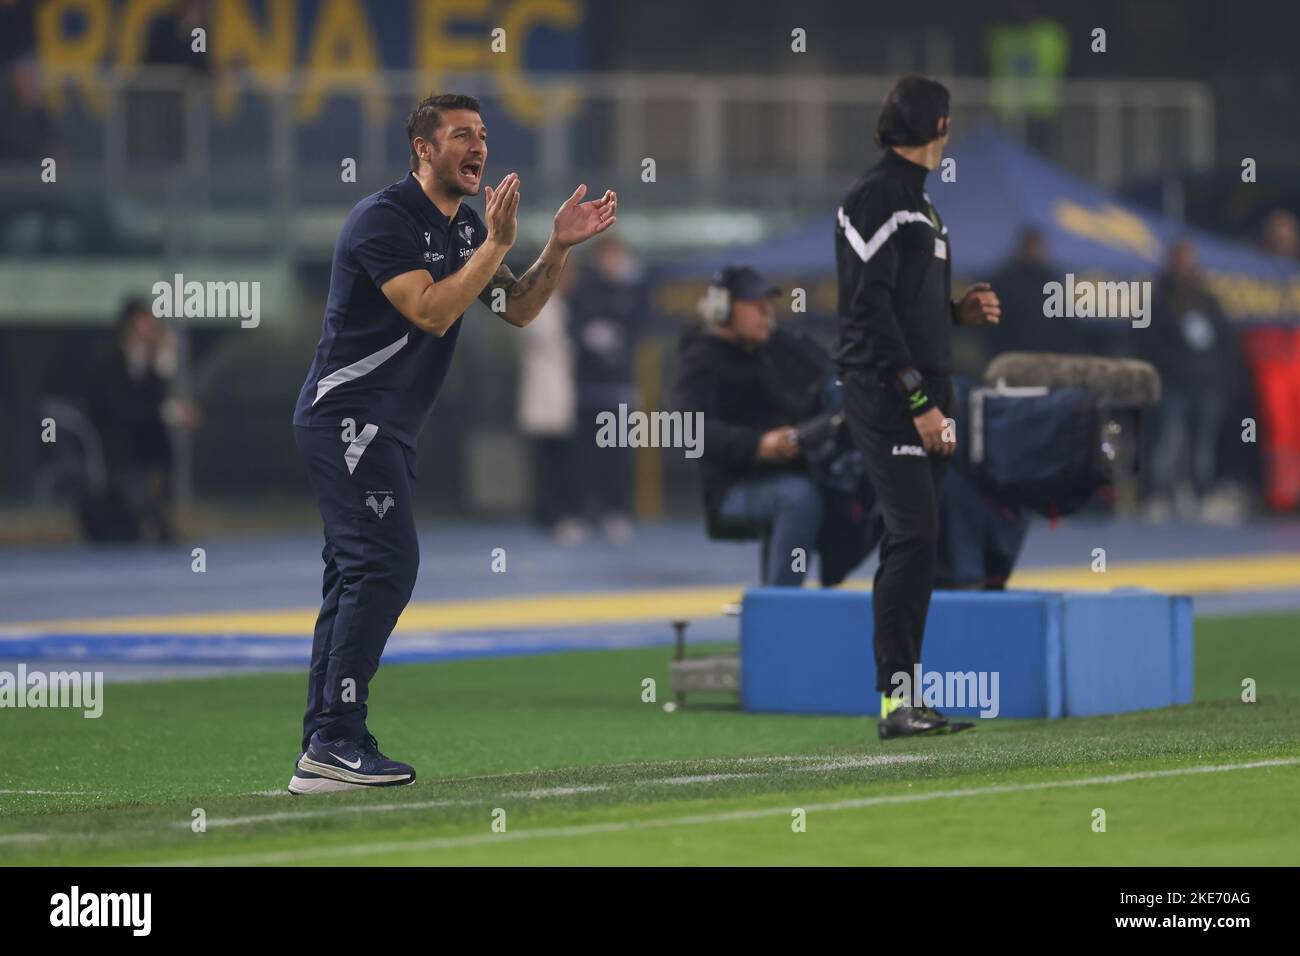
(907, 483)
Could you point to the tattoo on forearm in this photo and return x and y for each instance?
(528, 281)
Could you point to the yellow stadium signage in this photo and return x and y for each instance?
(341, 52)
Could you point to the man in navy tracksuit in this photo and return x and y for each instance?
(409, 261)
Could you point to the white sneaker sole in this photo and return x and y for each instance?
(347, 776)
(300, 785)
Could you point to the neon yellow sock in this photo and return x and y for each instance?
(887, 705)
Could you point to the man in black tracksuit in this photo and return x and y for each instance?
(896, 312)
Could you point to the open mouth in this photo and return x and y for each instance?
(471, 169)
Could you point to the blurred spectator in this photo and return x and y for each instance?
(547, 411)
(127, 398)
(156, 115)
(171, 37)
(609, 308)
(1195, 349)
(1028, 56)
(1281, 234)
(1019, 284)
(26, 132)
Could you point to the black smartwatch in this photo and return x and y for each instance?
(912, 387)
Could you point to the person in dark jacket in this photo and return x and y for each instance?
(737, 370)
(128, 400)
(896, 314)
(1194, 347)
(1020, 281)
(608, 310)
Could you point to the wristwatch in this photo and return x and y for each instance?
(912, 387)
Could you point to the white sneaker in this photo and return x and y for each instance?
(1225, 508)
(618, 530)
(569, 533)
(1158, 510)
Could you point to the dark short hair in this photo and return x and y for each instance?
(130, 307)
(427, 117)
(911, 112)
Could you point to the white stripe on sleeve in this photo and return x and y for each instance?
(868, 248)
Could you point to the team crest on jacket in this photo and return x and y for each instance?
(467, 232)
(379, 505)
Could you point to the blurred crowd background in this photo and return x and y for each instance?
(231, 163)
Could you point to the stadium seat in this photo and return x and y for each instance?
(721, 529)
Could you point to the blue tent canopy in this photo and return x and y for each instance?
(1000, 188)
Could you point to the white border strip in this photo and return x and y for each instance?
(440, 843)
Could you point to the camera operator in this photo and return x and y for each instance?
(760, 389)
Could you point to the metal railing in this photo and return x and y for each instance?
(766, 141)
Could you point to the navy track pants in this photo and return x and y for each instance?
(364, 489)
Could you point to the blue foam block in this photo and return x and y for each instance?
(1054, 654)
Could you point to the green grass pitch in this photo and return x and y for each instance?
(561, 750)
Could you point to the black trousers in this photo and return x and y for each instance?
(602, 477)
(553, 497)
(908, 484)
(364, 489)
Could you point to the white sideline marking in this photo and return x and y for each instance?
(54, 793)
(542, 793)
(439, 843)
(837, 763)
(312, 814)
(828, 763)
(802, 764)
(843, 763)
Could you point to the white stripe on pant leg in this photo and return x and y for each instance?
(358, 447)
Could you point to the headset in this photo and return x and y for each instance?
(715, 307)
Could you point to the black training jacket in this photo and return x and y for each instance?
(744, 393)
(895, 277)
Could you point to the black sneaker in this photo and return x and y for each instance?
(954, 726)
(911, 722)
